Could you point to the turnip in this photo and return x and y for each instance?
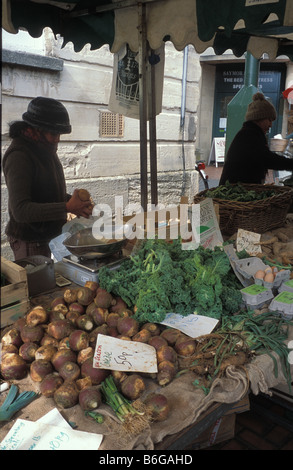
(59, 300)
(185, 346)
(72, 316)
(69, 371)
(45, 352)
(157, 342)
(166, 353)
(50, 384)
(59, 305)
(133, 386)
(127, 326)
(102, 329)
(104, 299)
(93, 285)
(113, 331)
(39, 369)
(85, 382)
(166, 372)
(6, 349)
(85, 322)
(112, 319)
(60, 328)
(78, 340)
(66, 396)
(85, 295)
(158, 406)
(77, 307)
(119, 306)
(142, 336)
(13, 367)
(49, 340)
(89, 308)
(56, 315)
(153, 328)
(85, 354)
(37, 316)
(99, 315)
(118, 376)
(61, 356)
(28, 351)
(89, 399)
(70, 295)
(171, 335)
(12, 336)
(64, 343)
(32, 334)
(19, 323)
(96, 375)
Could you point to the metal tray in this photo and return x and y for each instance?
(84, 244)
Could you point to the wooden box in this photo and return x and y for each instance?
(14, 296)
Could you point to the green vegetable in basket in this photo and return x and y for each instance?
(238, 192)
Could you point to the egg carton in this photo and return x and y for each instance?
(286, 286)
(255, 296)
(280, 277)
(247, 267)
(283, 304)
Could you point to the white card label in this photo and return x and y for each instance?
(192, 325)
(128, 356)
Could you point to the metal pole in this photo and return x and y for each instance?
(143, 104)
(153, 135)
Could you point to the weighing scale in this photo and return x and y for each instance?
(80, 270)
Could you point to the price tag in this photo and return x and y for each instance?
(248, 241)
(191, 325)
(128, 356)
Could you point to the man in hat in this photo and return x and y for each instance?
(37, 200)
(249, 157)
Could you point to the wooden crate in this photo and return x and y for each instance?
(14, 296)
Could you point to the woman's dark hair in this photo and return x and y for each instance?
(16, 128)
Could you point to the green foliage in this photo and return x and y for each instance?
(162, 277)
(237, 192)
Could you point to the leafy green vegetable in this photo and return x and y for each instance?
(237, 192)
(162, 277)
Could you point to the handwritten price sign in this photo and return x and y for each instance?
(118, 354)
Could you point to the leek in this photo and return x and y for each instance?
(12, 403)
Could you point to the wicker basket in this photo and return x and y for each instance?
(255, 216)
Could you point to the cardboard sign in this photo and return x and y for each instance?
(128, 356)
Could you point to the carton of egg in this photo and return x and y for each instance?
(271, 277)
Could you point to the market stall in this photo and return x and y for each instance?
(228, 341)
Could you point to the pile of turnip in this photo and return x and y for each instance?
(56, 346)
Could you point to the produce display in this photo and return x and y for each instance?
(161, 277)
(55, 344)
(237, 192)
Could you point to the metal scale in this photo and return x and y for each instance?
(88, 256)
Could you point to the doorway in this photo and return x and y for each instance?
(229, 80)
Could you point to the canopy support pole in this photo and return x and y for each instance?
(143, 104)
(153, 136)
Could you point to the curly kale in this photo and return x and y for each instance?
(161, 277)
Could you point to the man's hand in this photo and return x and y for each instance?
(78, 207)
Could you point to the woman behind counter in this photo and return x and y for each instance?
(37, 200)
(249, 157)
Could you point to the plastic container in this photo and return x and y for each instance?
(249, 266)
(286, 286)
(255, 296)
(283, 304)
